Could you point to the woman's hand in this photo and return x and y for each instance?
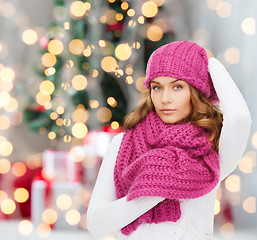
(209, 53)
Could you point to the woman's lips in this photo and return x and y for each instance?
(167, 111)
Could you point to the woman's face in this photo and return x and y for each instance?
(171, 98)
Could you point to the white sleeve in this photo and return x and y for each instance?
(105, 213)
(236, 118)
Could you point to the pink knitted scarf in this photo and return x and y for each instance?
(173, 161)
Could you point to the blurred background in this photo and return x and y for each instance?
(71, 70)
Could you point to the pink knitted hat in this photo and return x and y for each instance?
(182, 60)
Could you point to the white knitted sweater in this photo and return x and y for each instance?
(106, 214)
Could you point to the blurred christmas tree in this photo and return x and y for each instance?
(88, 61)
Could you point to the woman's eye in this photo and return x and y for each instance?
(177, 87)
(156, 88)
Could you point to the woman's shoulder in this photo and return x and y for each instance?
(116, 140)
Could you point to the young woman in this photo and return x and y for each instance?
(159, 177)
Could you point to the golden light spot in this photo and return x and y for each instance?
(42, 99)
(7, 74)
(72, 217)
(102, 43)
(87, 5)
(76, 46)
(123, 52)
(132, 23)
(80, 115)
(78, 9)
(154, 33)
(87, 52)
(149, 9)
(111, 1)
(119, 16)
(141, 20)
(67, 122)
(48, 105)
(109, 64)
(103, 19)
(246, 165)
(3, 196)
(12, 105)
(233, 183)
(232, 55)
(212, 4)
(6, 148)
(111, 17)
(59, 122)
(47, 87)
(224, 9)
(60, 110)
(129, 69)
(79, 82)
(77, 153)
(129, 80)
(19, 169)
(49, 216)
(131, 12)
(51, 135)
(53, 115)
(158, 2)
(43, 230)
(249, 205)
(5, 122)
(66, 25)
(227, 230)
(136, 45)
(5, 166)
(115, 125)
(21, 195)
(55, 47)
(254, 140)
(93, 103)
(8, 206)
(139, 85)
(5, 98)
(111, 101)
(124, 6)
(67, 138)
(219, 193)
(119, 72)
(95, 73)
(63, 201)
(48, 59)
(29, 37)
(104, 114)
(6, 86)
(217, 207)
(248, 26)
(69, 64)
(79, 130)
(25, 227)
(50, 71)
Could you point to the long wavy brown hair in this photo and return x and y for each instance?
(203, 114)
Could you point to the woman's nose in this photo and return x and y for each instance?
(166, 96)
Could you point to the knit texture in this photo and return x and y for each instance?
(182, 60)
(173, 161)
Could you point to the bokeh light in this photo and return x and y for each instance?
(55, 47)
(8, 206)
(254, 139)
(25, 227)
(6, 148)
(248, 26)
(223, 9)
(4, 122)
(104, 114)
(48, 59)
(78, 9)
(80, 115)
(79, 130)
(217, 207)
(154, 33)
(79, 82)
(46, 87)
(123, 52)
(109, 64)
(19, 169)
(233, 183)
(49, 216)
(5, 166)
(29, 37)
(76, 46)
(72, 217)
(21, 195)
(7, 74)
(232, 55)
(63, 201)
(149, 9)
(43, 230)
(249, 205)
